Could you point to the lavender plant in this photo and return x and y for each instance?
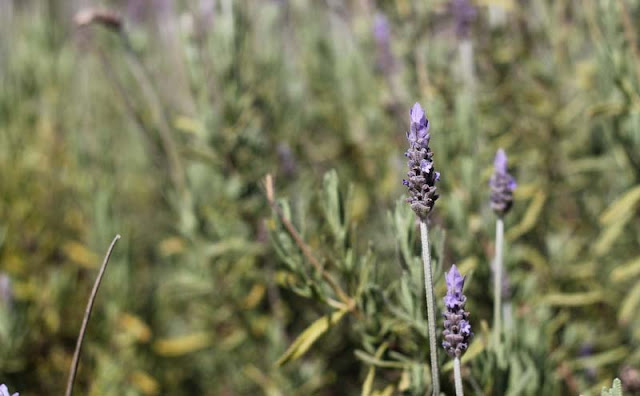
(502, 186)
(421, 182)
(457, 332)
(615, 390)
(209, 291)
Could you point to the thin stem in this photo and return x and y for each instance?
(431, 309)
(457, 376)
(85, 321)
(342, 295)
(467, 73)
(497, 284)
(630, 34)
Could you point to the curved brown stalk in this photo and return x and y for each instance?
(85, 321)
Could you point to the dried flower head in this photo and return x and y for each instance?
(630, 378)
(502, 185)
(422, 176)
(457, 329)
(106, 18)
(4, 391)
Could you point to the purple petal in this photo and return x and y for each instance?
(417, 115)
(455, 281)
(381, 29)
(500, 161)
(426, 166)
(465, 327)
(412, 136)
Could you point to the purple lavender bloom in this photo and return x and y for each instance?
(463, 14)
(381, 29)
(382, 36)
(4, 391)
(421, 177)
(502, 185)
(457, 329)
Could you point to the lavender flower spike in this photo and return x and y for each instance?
(382, 36)
(422, 176)
(4, 391)
(457, 329)
(463, 14)
(502, 185)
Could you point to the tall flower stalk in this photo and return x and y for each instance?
(464, 14)
(421, 181)
(457, 329)
(502, 185)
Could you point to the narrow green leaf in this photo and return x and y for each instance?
(613, 356)
(608, 236)
(373, 361)
(476, 348)
(530, 217)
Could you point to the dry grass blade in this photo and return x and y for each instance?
(87, 315)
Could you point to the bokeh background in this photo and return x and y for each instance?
(160, 119)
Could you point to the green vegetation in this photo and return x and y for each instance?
(228, 283)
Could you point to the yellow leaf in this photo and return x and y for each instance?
(189, 125)
(388, 391)
(524, 191)
(255, 296)
(573, 299)
(183, 345)
(368, 382)
(145, 383)
(626, 271)
(135, 326)
(622, 208)
(171, 246)
(629, 308)
(309, 336)
(405, 381)
(530, 217)
(269, 387)
(607, 237)
(81, 255)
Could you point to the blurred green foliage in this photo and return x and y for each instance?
(163, 133)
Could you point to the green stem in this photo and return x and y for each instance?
(497, 284)
(431, 309)
(457, 377)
